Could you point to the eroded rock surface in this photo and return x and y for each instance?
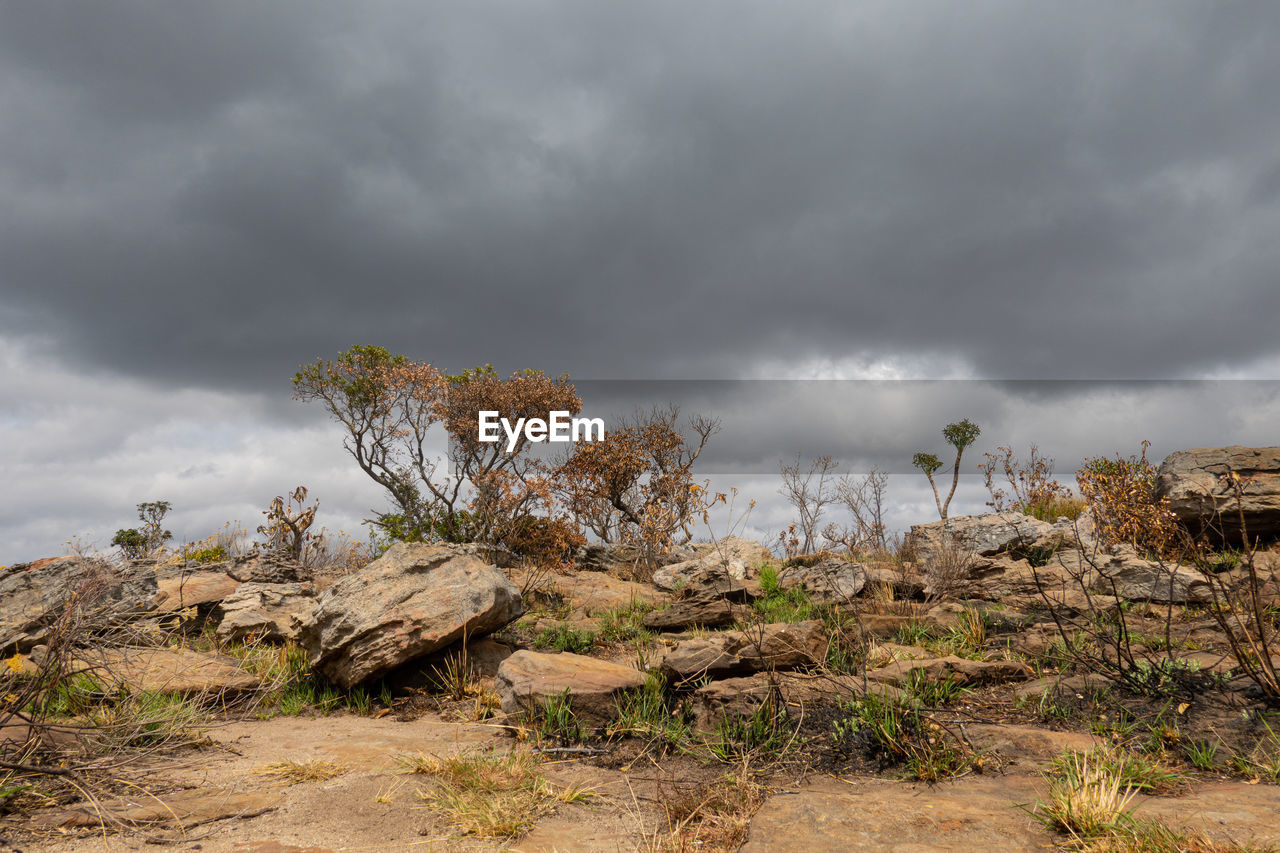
(527, 678)
(410, 602)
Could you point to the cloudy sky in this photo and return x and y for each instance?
(196, 198)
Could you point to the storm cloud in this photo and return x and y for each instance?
(198, 197)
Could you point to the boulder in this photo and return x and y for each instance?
(410, 602)
(978, 535)
(592, 593)
(777, 646)
(526, 679)
(1122, 572)
(740, 697)
(34, 595)
(1191, 481)
(1066, 533)
(831, 581)
(705, 610)
(178, 590)
(732, 557)
(154, 670)
(274, 612)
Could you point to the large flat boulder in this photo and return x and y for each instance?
(178, 589)
(154, 670)
(526, 679)
(410, 602)
(274, 612)
(1191, 481)
(1127, 575)
(976, 535)
(35, 596)
(778, 646)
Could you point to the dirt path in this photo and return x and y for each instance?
(230, 806)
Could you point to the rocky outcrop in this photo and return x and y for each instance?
(527, 679)
(166, 670)
(34, 596)
(777, 646)
(267, 567)
(977, 535)
(274, 612)
(705, 610)
(831, 581)
(962, 671)
(625, 561)
(410, 602)
(730, 557)
(1191, 481)
(200, 587)
(1123, 573)
(591, 593)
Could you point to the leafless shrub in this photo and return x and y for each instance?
(949, 568)
(864, 498)
(809, 491)
(1101, 632)
(1238, 609)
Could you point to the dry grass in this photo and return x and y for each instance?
(708, 818)
(294, 772)
(1087, 797)
(489, 795)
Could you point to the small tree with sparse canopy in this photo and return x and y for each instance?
(388, 406)
(959, 435)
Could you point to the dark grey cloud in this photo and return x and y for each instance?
(213, 193)
(197, 197)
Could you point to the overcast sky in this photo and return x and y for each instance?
(197, 197)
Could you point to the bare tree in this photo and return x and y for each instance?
(809, 491)
(864, 498)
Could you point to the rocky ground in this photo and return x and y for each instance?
(960, 693)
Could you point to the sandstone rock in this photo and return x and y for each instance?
(181, 809)
(1190, 481)
(1068, 534)
(904, 585)
(1132, 577)
(775, 646)
(592, 593)
(166, 670)
(624, 561)
(527, 678)
(1078, 686)
(980, 535)
(410, 602)
(740, 697)
(183, 588)
(1023, 744)
(731, 556)
(267, 567)
(274, 612)
(965, 672)
(832, 581)
(883, 654)
(707, 610)
(34, 595)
